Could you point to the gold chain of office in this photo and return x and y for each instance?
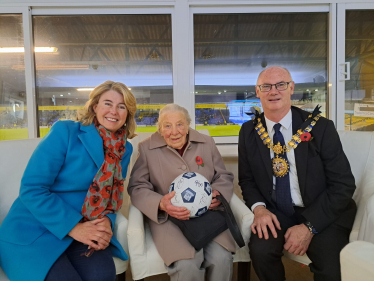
(280, 165)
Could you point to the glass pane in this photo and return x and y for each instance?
(13, 115)
(359, 52)
(87, 50)
(232, 49)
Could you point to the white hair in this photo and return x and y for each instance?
(172, 107)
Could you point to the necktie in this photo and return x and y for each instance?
(282, 184)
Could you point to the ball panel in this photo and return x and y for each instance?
(201, 211)
(207, 188)
(188, 195)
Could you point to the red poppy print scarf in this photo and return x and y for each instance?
(105, 194)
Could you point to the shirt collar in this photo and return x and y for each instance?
(285, 122)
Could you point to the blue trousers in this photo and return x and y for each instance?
(72, 266)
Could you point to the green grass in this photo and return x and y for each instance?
(14, 134)
(221, 130)
(214, 131)
(147, 129)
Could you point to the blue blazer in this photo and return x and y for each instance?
(53, 188)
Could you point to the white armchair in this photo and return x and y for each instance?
(14, 158)
(359, 148)
(357, 258)
(145, 260)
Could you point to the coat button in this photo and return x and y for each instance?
(184, 167)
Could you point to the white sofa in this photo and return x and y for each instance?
(359, 148)
(357, 258)
(145, 260)
(14, 156)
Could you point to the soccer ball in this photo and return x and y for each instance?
(192, 191)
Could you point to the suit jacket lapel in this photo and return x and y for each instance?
(301, 152)
(265, 151)
(93, 143)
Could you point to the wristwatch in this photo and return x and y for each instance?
(310, 227)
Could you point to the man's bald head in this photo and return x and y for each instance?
(273, 69)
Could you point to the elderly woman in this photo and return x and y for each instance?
(60, 226)
(171, 151)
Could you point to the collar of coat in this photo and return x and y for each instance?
(158, 141)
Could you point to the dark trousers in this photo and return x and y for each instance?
(323, 250)
(72, 266)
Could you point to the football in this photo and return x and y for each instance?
(192, 191)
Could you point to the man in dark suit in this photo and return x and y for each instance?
(297, 181)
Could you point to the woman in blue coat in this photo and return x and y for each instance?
(60, 226)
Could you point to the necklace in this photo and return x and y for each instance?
(280, 164)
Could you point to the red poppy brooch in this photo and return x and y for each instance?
(305, 136)
(199, 162)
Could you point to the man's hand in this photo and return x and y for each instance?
(264, 219)
(297, 239)
(92, 233)
(180, 213)
(215, 202)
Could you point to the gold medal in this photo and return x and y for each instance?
(280, 166)
(277, 148)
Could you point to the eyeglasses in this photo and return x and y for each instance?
(281, 86)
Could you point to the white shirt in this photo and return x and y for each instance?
(286, 130)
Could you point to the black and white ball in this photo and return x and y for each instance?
(192, 191)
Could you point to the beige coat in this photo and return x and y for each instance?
(156, 167)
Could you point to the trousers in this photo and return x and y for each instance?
(323, 250)
(213, 260)
(72, 266)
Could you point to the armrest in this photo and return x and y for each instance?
(120, 230)
(136, 232)
(357, 261)
(243, 216)
(366, 232)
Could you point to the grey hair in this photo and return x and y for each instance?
(172, 107)
(272, 67)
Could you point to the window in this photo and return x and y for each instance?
(87, 50)
(13, 117)
(359, 52)
(232, 49)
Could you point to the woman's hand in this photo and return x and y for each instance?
(215, 202)
(96, 234)
(180, 213)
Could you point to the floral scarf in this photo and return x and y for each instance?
(105, 194)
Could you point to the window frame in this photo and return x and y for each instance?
(29, 65)
(340, 56)
(286, 8)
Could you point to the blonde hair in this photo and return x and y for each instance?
(172, 107)
(88, 114)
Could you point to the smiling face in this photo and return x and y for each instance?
(174, 129)
(111, 111)
(275, 103)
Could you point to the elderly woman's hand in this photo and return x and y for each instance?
(215, 202)
(94, 233)
(180, 213)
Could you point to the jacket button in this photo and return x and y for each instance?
(184, 167)
(270, 192)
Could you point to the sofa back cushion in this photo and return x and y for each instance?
(14, 156)
(359, 148)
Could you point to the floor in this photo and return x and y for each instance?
(294, 272)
